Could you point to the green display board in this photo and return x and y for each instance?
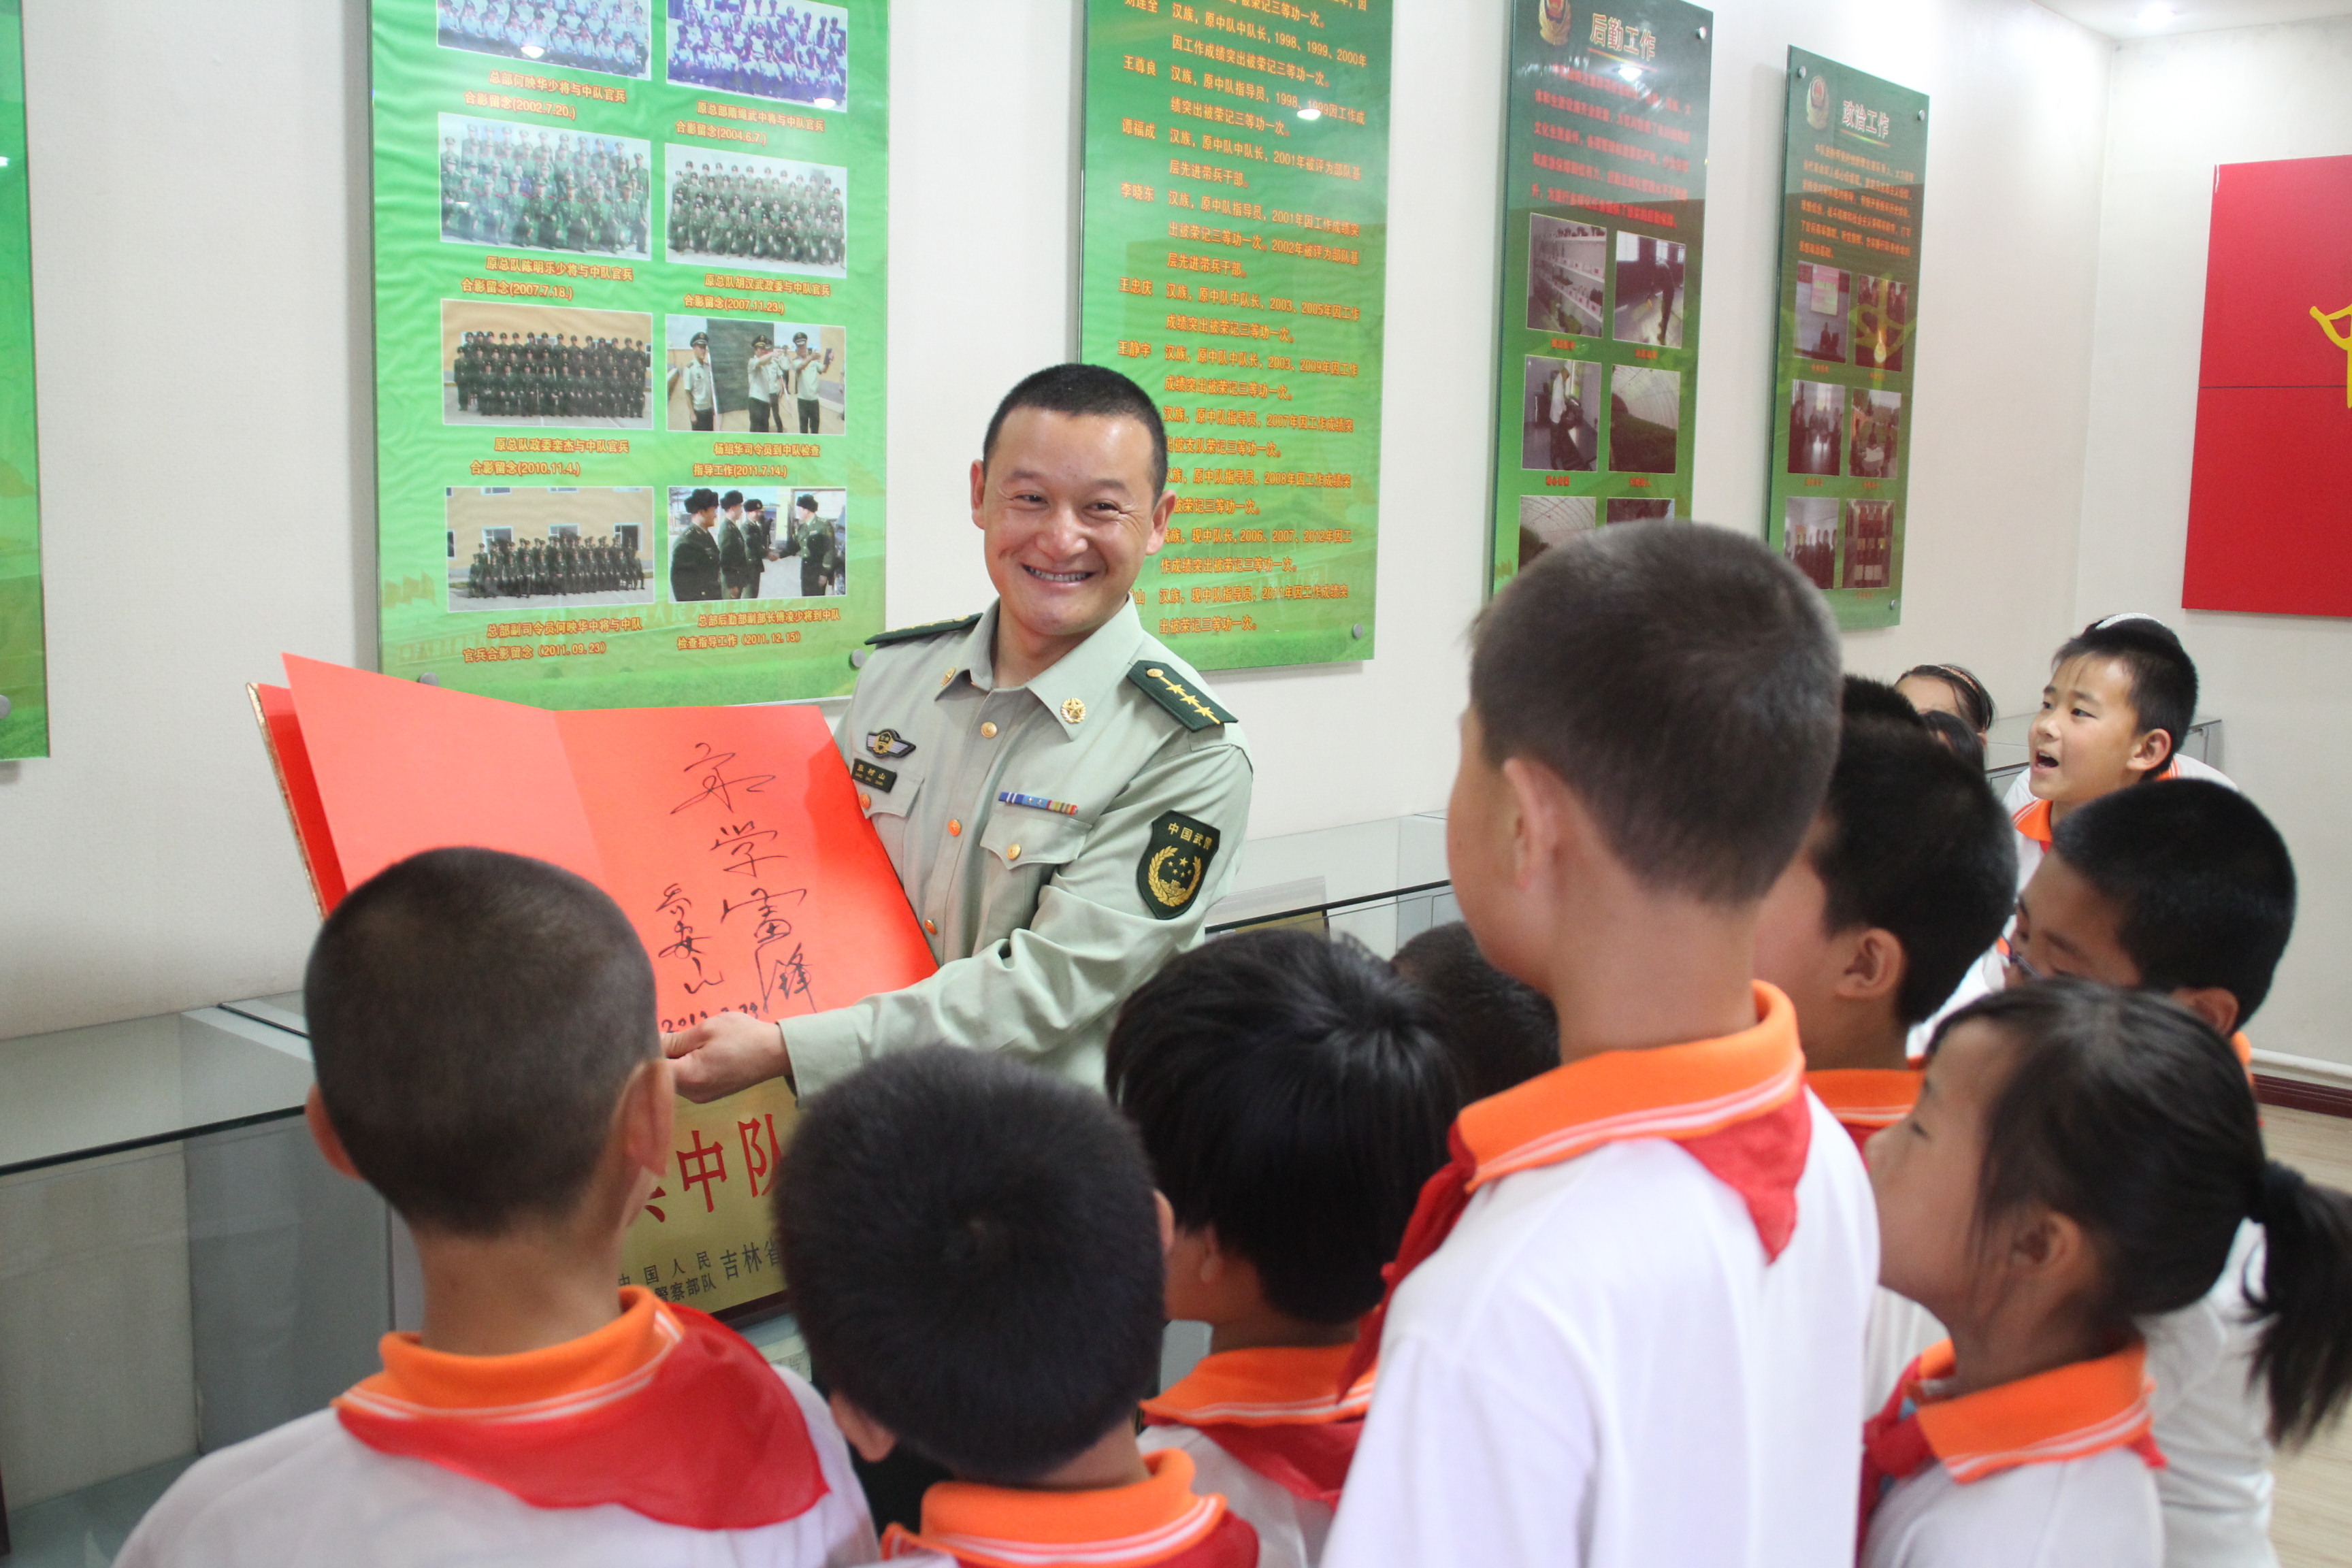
(1604, 207)
(23, 660)
(1235, 261)
(1840, 449)
(566, 198)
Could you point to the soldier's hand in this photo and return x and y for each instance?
(725, 1053)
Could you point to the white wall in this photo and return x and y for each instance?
(2181, 107)
(202, 297)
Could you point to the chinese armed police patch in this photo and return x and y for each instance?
(1175, 864)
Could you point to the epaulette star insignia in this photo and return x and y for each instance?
(1194, 709)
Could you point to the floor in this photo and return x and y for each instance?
(2312, 1526)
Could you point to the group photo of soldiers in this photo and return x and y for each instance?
(767, 214)
(764, 542)
(554, 547)
(535, 189)
(756, 376)
(532, 364)
(608, 36)
(781, 49)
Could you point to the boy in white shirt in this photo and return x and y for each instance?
(1634, 1332)
(483, 1026)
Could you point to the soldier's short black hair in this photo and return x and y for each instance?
(1085, 389)
(1294, 1093)
(473, 1016)
(2163, 677)
(1501, 1031)
(2203, 884)
(1912, 840)
(975, 1255)
(1683, 681)
(701, 500)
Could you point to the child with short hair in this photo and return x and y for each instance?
(483, 1028)
(1293, 1094)
(2184, 889)
(1629, 1318)
(1501, 1032)
(975, 1251)
(2121, 697)
(2079, 1163)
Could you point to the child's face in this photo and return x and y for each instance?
(2087, 740)
(2066, 926)
(1924, 1171)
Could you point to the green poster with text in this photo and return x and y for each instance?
(1235, 257)
(1604, 209)
(1849, 302)
(630, 275)
(23, 659)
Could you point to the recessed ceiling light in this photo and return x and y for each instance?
(2157, 15)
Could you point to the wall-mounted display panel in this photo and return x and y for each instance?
(24, 656)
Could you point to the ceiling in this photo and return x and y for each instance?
(2132, 18)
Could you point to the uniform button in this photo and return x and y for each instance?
(1013, 853)
(955, 828)
(932, 927)
(864, 800)
(988, 732)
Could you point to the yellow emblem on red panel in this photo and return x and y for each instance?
(2342, 341)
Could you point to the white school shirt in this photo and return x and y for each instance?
(309, 1492)
(1599, 1368)
(2212, 1421)
(1291, 1529)
(2094, 1512)
(2020, 797)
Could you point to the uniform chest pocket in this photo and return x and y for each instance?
(884, 791)
(1017, 839)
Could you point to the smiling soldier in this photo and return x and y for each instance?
(1061, 795)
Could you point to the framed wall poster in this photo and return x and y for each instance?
(1604, 205)
(1234, 264)
(1849, 310)
(630, 261)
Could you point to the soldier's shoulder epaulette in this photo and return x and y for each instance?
(917, 634)
(1193, 708)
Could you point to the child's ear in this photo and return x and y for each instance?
(2051, 1247)
(2214, 1004)
(647, 1115)
(324, 1133)
(1874, 966)
(2151, 748)
(872, 1440)
(1167, 1211)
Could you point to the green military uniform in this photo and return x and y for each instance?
(1043, 916)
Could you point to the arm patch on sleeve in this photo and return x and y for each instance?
(1175, 864)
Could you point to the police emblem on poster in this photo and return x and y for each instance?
(1175, 864)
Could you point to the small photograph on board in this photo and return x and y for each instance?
(769, 214)
(1816, 427)
(1882, 323)
(1869, 544)
(790, 52)
(1642, 509)
(1547, 520)
(607, 36)
(539, 364)
(758, 542)
(1811, 540)
(1568, 265)
(547, 548)
(526, 187)
(1562, 414)
(1649, 290)
(755, 375)
(1870, 443)
(1645, 419)
(1824, 295)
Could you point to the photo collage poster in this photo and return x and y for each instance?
(23, 659)
(630, 265)
(1840, 454)
(1604, 202)
(1235, 260)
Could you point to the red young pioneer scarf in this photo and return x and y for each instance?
(1736, 1105)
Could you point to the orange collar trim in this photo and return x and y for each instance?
(2067, 1413)
(1007, 1527)
(1268, 1387)
(1869, 1097)
(2033, 819)
(567, 1379)
(2245, 1049)
(1669, 1091)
